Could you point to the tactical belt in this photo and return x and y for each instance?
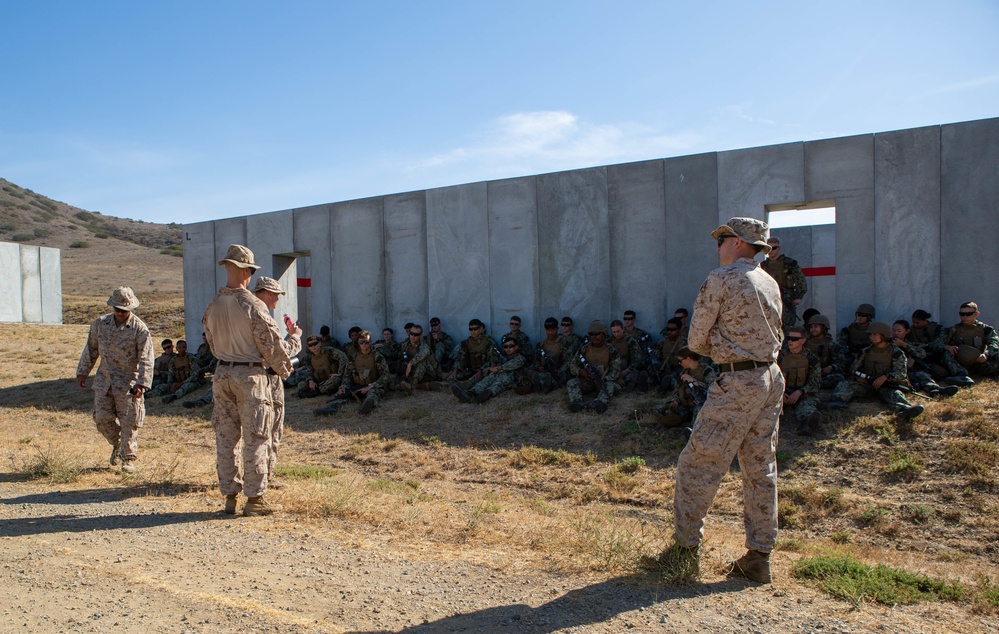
(253, 364)
(742, 365)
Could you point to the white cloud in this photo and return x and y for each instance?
(544, 141)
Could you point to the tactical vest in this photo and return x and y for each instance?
(621, 345)
(478, 352)
(877, 361)
(181, 368)
(795, 370)
(671, 350)
(775, 267)
(599, 357)
(859, 337)
(365, 369)
(322, 368)
(819, 346)
(553, 349)
(925, 335)
(974, 336)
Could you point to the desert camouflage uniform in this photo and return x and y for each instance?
(981, 336)
(292, 346)
(791, 280)
(736, 318)
(611, 373)
(425, 366)
(126, 354)
(895, 370)
(514, 372)
(829, 354)
(243, 394)
(681, 402)
(808, 381)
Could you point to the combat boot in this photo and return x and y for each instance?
(115, 456)
(407, 387)
(461, 394)
(837, 405)
(546, 383)
(328, 410)
(169, 398)
(576, 406)
(947, 390)
(259, 506)
(908, 413)
(191, 404)
(754, 565)
(810, 426)
(230, 504)
(366, 406)
(128, 466)
(960, 381)
(598, 406)
(483, 396)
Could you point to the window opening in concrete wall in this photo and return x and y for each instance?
(807, 231)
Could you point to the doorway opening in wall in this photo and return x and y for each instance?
(807, 231)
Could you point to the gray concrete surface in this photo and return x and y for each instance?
(31, 284)
(914, 222)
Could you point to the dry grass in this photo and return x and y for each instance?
(524, 480)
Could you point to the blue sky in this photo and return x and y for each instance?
(188, 111)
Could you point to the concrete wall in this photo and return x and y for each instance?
(31, 284)
(914, 218)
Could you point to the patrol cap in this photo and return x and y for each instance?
(867, 309)
(265, 283)
(240, 256)
(597, 326)
(123, 298)
(822, 320)
(748, 230)
(880, 328)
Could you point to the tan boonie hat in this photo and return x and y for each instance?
(880, 328)
(748, 230)
(123, 298)
(240, 256)
(265, 283)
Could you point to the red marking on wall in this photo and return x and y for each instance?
(305, 282)
(819, 271)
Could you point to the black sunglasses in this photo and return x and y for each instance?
(966, 314)
(868, 315)
(722, 239)
(795, 338)
(594, 334)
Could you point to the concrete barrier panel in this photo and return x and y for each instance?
(636, 207)
(406, 262)
(268, 235)
(969, 191)
(31, 285)
(574, 253)
(749, 180)
(513, 254)
(358, 266)
(312, 236)
(228, 231)
(11, 309)
(691, 195)
(907, 213)
(458, 256)
(51, 272)
(842, 170)
(200, 277)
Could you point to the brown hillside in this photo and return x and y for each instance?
(99, 253)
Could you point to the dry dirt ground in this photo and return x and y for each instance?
(430, 516)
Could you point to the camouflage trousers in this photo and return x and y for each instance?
(576, 387)
(989, 368)
(846, 391)
(162, 388)
(374, 395)
(923, 381)
(277, 398)
(805, 407)
(831, 380)
(118, 418)
(189, 386)
(244, 409)
(740, 417)
(495, 383)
